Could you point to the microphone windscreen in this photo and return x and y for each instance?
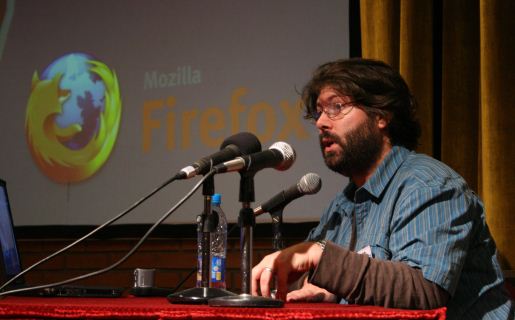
(246, 142)
(288, 154)
(310, 183)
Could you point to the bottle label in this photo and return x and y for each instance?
(217, 269)
(199, 271)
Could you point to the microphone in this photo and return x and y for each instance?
(310, 183)
(242, 143)
(280, 156)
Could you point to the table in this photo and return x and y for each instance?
(159, 308)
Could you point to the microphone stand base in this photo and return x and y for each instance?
(198, 295)
(246, 300)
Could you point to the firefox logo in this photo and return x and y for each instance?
(73, 117)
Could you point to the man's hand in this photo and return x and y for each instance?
(310, 293)
(287, 265)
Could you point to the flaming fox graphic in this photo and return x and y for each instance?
(47, 140)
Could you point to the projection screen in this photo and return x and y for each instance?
(102, 101)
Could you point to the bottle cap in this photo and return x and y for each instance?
(216, 199)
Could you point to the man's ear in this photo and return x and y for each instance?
(382, 123)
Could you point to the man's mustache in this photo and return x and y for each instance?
(329, 135)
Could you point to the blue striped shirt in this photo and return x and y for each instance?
(417, 210)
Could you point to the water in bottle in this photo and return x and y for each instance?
(218, 245)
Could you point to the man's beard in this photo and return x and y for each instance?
(359, 151)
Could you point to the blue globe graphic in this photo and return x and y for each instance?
(86, 96)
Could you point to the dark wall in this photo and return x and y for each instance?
(171, 251)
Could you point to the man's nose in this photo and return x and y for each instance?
(323, 122)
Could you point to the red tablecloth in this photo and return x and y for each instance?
(160, 308)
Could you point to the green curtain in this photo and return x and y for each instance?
(466, 48)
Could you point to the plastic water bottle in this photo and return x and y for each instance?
(199, 251)
(218, 245)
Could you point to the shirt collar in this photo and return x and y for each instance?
(378, 182)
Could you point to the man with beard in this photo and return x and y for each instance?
(407, 232)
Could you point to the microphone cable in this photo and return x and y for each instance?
(143, 238)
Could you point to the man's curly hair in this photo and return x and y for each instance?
(376, 88)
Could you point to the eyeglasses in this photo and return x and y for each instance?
(333, 110)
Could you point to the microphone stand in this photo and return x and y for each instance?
(277, 222)
(246, 221)
(209, 222)
(277, 244)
